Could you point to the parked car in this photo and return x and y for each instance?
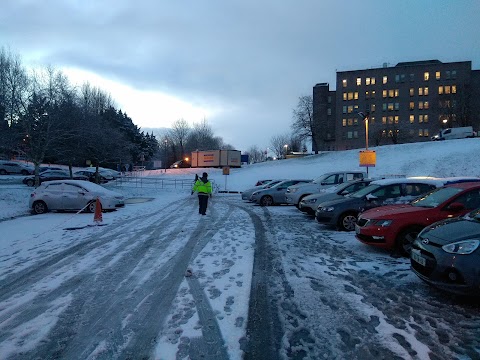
(275, 194)
(73, 195)
(343, 213)
(45, 168)
(246, 194)
(310, 203)
(296, 193)
(103, 176)
(446, 254)
(397, 226)
(180, 164)
(52, 175)
(14, 167)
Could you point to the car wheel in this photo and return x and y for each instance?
(347, 222)
(39, 207)
(3, 172)
(91, 207)
(30, 182)
(405, 239)
(266, 201)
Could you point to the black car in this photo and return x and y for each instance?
(446, 254)
(52, 175)
(103, 177)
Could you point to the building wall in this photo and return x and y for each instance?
(409, 102)
(324, 115)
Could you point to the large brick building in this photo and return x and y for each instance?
(408, 102)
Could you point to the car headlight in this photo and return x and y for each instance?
(383, 223)
(464, 247)
(326, 208)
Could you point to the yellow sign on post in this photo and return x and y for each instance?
(226, 170)
(368, 158)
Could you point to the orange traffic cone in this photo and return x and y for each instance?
(98, 212)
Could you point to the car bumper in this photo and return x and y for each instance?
(459, 274)
(327, 218)
(291, 200)
(374, 235)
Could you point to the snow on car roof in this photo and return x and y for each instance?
(427, 180)
(85, 184)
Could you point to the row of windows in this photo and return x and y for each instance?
(393, 93)
(421, 105)
(448, 74)
(394, 119)
(389, 133)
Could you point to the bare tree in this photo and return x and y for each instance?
(280, 145)
(303, 125)
(179, 135)
(255, 155)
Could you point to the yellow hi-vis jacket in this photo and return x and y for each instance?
(202, 187)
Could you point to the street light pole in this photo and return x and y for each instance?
(165, 162)
(286, 150)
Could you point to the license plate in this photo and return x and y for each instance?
(357, 229)
(418, 258)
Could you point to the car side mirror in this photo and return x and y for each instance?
(370, 197)
(456, 206)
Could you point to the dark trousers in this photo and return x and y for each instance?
(202, 203)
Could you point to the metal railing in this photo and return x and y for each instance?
(157, 183)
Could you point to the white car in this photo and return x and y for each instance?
(14, 167)
(69, 195)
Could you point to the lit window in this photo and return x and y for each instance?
(412, 91)
(372, 108)
(391, 93)
(355, 95)
(373, 81)
(385, 79)
(420, 132)
(372, 120)
(412, 119)
(390, 106)
(367, 95)
(384, 120)
(420, 91)
(344, 122)
(426, 75)
(344, 96)
(425, 105)
(344, 82)
(412, 105)
(350, 96)
(420, 105)
(390, 120)
(373, 94)
(350, 122)
(397, 118)
(359, 81)
(447, 89)
(355, 108)
(454, 89)
(350, 109)
(397, 92)
(440, 90)
(425, 118)
(384, 133)
(425, 91)
(384, 93)
(437, 75)
(367, 81)
(420, 118)
(425, 132)
(355, 121)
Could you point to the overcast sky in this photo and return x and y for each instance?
(241, 65)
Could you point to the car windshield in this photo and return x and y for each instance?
(320, 179)
(435, 197)
(366, 190)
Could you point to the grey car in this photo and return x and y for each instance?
(275, 195)
(343, 213)
(310, 203)
(446, 254)
(13, 167)
(247, 194)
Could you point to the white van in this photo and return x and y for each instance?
(454, 133)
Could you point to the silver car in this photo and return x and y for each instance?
(247, 194)
(275, 195)
(310, 203)
(69, 195)
(13, 167)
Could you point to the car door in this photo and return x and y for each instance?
(52, 195)
(74, 197)
(279, 192)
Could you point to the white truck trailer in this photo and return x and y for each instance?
(454, 133)
(216, 158)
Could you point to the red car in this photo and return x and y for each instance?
(396, 226)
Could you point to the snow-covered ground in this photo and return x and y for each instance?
(131, 271)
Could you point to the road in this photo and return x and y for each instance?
(314, 293)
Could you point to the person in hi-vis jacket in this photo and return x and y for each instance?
(203, 187)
